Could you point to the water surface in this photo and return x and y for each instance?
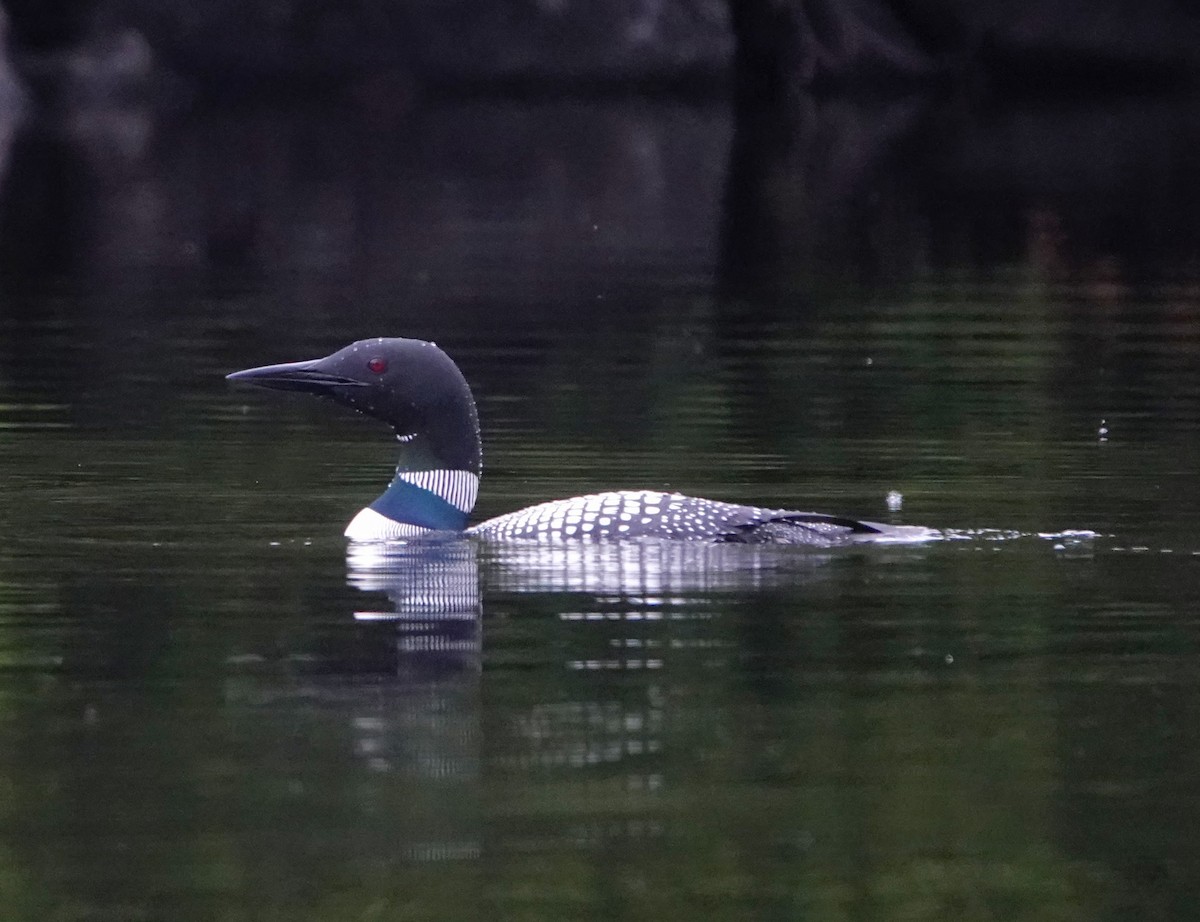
(210, 712)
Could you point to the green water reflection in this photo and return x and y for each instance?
(208, 712)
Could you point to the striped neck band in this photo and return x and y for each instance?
(458, 488)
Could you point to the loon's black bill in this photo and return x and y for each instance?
(294, 376)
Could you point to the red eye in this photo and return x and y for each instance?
(377, 365)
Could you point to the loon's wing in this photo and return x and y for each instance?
(799, 528)
(821, 530)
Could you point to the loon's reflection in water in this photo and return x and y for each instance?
(433, 588)
(429, 577)
(632, 624)
(588, 646)
(598, 669)
(652, 572)
(389, 699)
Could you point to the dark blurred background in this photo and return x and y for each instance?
(814, 139)
(362, 165)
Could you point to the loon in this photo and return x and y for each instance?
(418, 390)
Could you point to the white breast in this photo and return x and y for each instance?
(369, 525)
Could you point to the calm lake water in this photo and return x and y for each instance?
(209, 711)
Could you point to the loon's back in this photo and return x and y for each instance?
(650, 514)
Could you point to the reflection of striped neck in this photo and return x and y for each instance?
(416, 503)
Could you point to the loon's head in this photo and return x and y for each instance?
(410, 384)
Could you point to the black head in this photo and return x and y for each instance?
(410, 384)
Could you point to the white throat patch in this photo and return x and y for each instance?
(369, 525)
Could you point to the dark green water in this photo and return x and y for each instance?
(208, 712)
